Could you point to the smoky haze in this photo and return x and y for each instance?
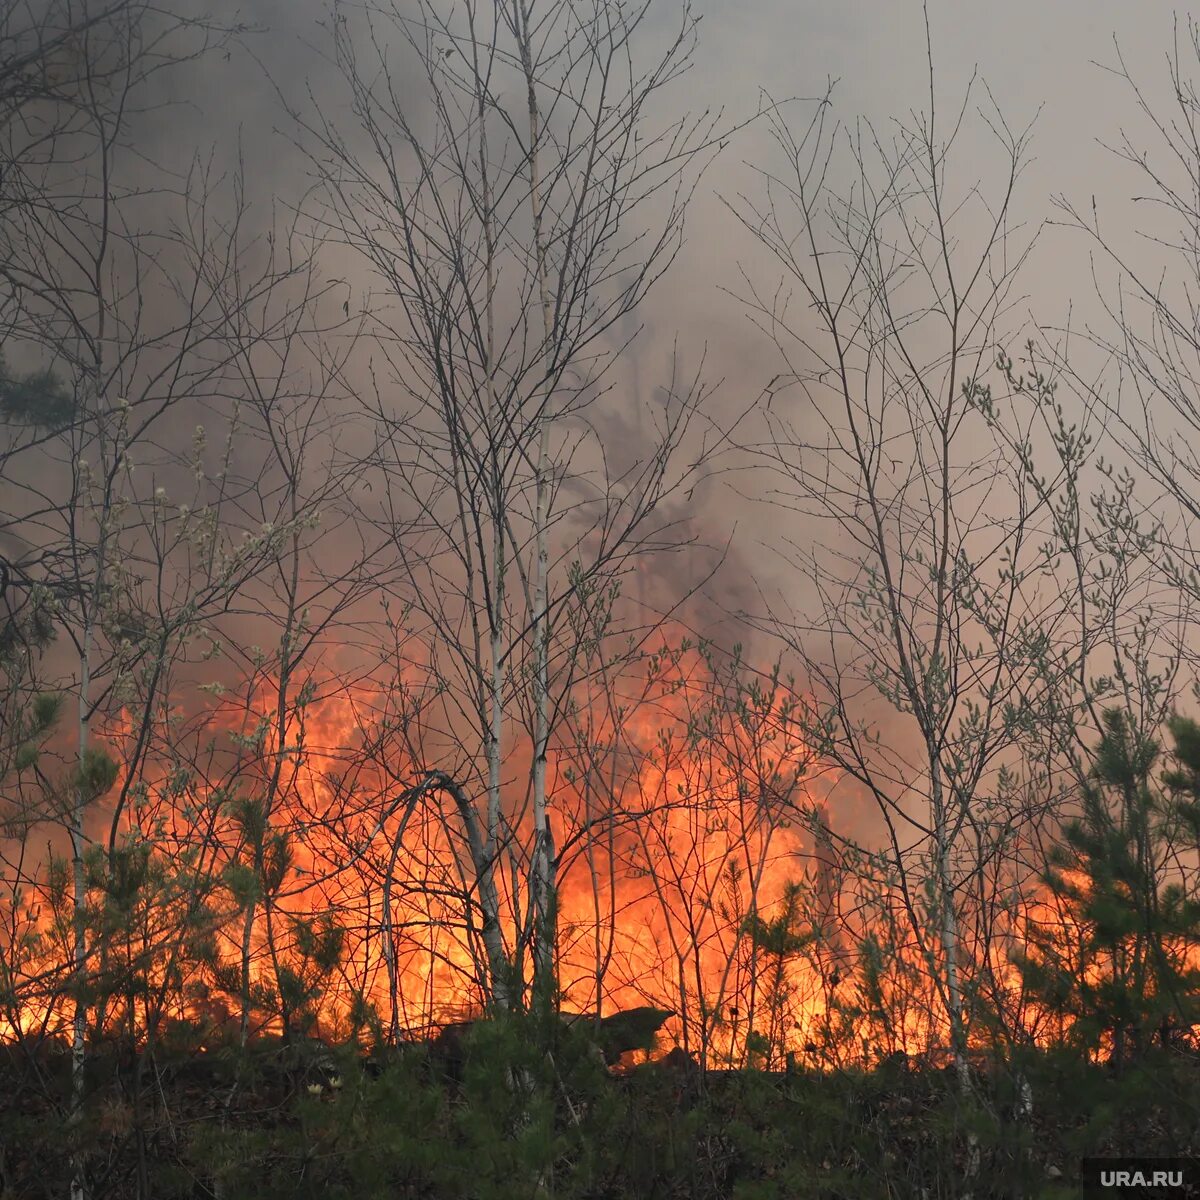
(389, 613)
(1046, 65)
(233, 111)
(1043, 64)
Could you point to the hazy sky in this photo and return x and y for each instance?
(1032, 56)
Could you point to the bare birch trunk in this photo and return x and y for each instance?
(502, 983)
(79, 900)
(948, 934)
(542, 883)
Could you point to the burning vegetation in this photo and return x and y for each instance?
(403, 792)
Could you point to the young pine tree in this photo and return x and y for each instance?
(1119, 963)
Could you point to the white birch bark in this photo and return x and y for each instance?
(542, 882)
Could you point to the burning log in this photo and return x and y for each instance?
(632, 1029)
(614, 1035)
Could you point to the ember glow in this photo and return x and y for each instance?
(366, 601)
(676, 832)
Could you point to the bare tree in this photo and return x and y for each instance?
(925, 630)
(1145, 377)
(513, 219)
(136, 294)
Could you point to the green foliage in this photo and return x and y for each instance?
(29, 725)
(778, 940)
(96, 774)
(38, 399)
(30, 626)
(304, 974)
(44, 712)
(534, 1114)
(1118, 967)
(781, 937)
(1184, 780)
(25, 756)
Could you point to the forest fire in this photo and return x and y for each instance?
(452, 747)
(703, 881)
(655, 890)
(318, 880)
